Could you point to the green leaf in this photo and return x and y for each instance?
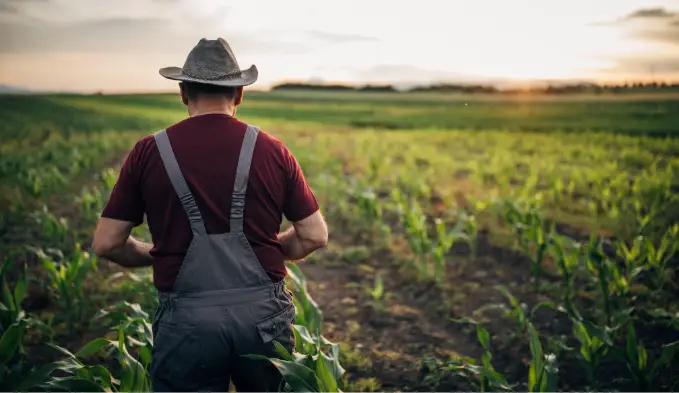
(5, 265)
(41, 375)
(551, 370)
(632, 354)
(643, 358)
(10, 342)
(103, 374)
(7, 298)
(483, 336)
(134, 375)
(597, 332)
(284, 354)
(145, 356)
(667, 355)
(497, 379)
(379, 287)
(21, 288)
(62, 350)
(93, 347)
(73, 385)
(299, 377)
(326, 378)
(304, 334)
(540, 305)
(532, 378)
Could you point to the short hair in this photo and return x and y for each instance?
(195, 90)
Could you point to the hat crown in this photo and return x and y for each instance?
(212, 62)
(211, 59)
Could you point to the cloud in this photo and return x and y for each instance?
(8, 8)
(130, 36)
(653, 13)
(13, 7)
(657, 24)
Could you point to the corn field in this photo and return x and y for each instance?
(541, 256)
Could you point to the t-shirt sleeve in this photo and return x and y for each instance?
(126, 202)
(300, 201)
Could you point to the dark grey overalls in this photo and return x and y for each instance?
(223, 304)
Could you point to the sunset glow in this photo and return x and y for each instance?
(85, 45)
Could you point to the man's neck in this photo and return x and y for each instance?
(199, 110)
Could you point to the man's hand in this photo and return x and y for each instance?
(305, 237)
(112, 241)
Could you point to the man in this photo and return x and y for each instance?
(214, 190)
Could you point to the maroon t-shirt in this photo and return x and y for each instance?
(207, 149)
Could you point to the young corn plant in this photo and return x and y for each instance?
(633, 257)
(567, 257)
(371, 211)
(415, 227)
(658, 256)
(314, 367)
(543, 370)
(529, 227)
(54, 231)
(466, 230)
(444, 241)
(308, 314)
(369, 208)
(483, 375)
(66, 280)
(16, 373)
(132, 375)
(595, 341)
(377, 294)
(636, 358)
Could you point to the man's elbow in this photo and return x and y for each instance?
(103, 247)
(320, 238)
(321, 241)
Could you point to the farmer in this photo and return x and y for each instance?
(214, 190)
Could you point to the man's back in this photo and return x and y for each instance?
(214, 191)
(207, 148)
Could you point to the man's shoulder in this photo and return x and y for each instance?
(271, 140)
(144, 144)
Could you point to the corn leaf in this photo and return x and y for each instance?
(72, 385)
(284, 354)
(326, 378)
(299, 377)
(93, 347)
(41, 375)
(7, 298)
(10, 342)
(20, 289)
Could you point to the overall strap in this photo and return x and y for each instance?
(179, 184)
(242, 175)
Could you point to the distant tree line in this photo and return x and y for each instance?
(489, 89)
(332, 87)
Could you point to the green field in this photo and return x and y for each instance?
(476, 242)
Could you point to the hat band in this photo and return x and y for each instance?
(212, 75)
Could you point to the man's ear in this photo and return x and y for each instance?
(239, 96)
(182, 94)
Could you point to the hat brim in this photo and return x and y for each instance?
(246, 77)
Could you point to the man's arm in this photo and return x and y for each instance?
(112, 241)
(304, 237)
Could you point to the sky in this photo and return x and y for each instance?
(119, 45)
